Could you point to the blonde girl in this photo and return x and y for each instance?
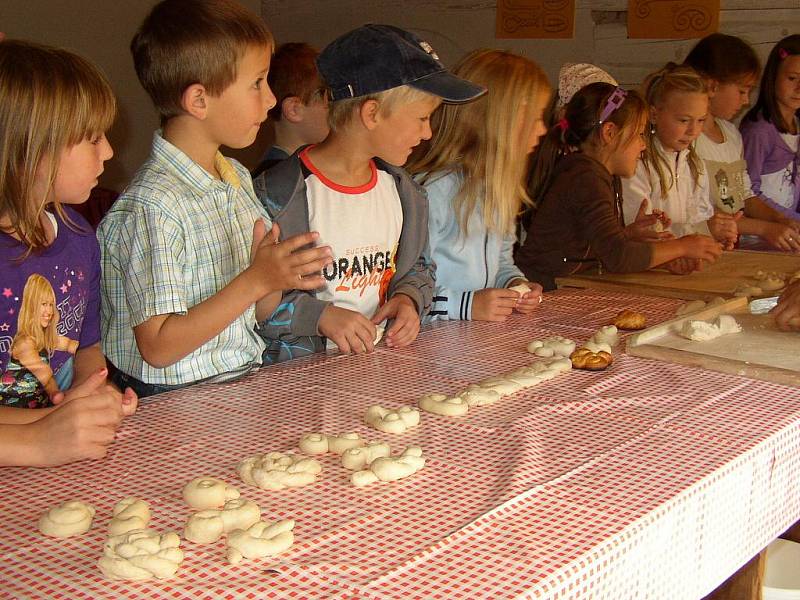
(578, 220)
(28, 376)
(474, 172)
(771, 132)
(730, 68)
(54, 110)
(671, 176)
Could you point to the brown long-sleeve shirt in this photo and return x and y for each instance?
(578, 223)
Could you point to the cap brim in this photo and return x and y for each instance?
(448, 87)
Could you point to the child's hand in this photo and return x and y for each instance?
(700, 247)
(82, 428)
(405, 327)
(493, 304)
(684, 266)
(282, 265)
(781, 236)
(787, 311)
(529, 301)
(348, 329)
(724, 229)
(641, 230)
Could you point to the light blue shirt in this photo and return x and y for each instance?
(468, 263)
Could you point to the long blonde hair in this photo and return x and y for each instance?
(37, 289)
(50, 99)
(656, 87)
(484, 141)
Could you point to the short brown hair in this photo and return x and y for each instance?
(293, 73)
(183, 42)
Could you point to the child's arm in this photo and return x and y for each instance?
(787, 312)
(724, 228)
(778, 235)
(757, 139)
(509, 275)
(24, 352)
(66, 345)
(165, 339)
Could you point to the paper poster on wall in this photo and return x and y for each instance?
(535, 19)
(672, 19)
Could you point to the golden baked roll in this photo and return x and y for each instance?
(583, 358)
(630, 320)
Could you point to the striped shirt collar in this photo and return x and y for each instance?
(189, 171)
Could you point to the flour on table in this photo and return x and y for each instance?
(703, 331)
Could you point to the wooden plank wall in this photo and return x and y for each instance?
(454, 27)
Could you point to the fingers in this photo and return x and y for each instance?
(130, 402)
(642, 212)
(274, 235)
(90, 385)
(259, 232)
(403, 331)
(295, 242)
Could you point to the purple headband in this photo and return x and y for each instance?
(783, 53)
(614, 101)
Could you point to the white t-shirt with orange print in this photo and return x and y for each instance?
(362, 225)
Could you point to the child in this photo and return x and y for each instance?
(384, 84)
(54, 110)
(300, 116)
(671, 175)
(188, 269)
(578, 222)
(474, 173)
(771, 130)
(730, 68)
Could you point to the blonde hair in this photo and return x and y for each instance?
(183, 42)
(656, 87)
(483, 140)
(37, 289)
(50, 100)
(342, 112)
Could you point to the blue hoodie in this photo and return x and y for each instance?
(464, 265)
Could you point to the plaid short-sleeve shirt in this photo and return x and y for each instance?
(175, 237)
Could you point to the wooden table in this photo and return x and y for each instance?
(647, 480)
(718, 279)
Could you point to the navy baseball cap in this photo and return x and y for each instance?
(376, 58)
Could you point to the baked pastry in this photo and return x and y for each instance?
(583, 358)
(630, 320)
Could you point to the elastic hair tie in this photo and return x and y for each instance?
(783, 53)
(563, 125)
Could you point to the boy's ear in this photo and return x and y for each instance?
(292, 109)
(370, 113)
(194, 101)
(713, 87)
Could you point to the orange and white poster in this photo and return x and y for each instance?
(672, 19)
(535, 19)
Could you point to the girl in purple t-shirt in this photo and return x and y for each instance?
(54, 110)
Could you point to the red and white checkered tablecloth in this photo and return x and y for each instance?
(648, 480)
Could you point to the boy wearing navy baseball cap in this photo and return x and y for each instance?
(384, 83)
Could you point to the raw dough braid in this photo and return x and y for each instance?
(392, 421)
(141, 554)
(67, 519)
(129, 514)
(344, 441)
(314, 443)
(207, 526)
(356, 459)
(278, 471)
(585, 359)
(476, 395)
(630, 320)
(208, 492)
(552, 346)
(439, 404)
(391, 468)
(264, 538)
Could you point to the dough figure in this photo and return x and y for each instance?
(586, 359)
(744, 289)
(141, 554)
(260, 540)
(597, 347)
(552, 346)
(314, 443)
(278, 471)
(501, 384)
(608, 335)
(207, 526)
(344, 441)
(356, 459)
(475, 395)
(208, 492)
(769, 282)
(67, 519)
(392, 421)
(129, 514)
(391, 468)
(631, 320)
(439, 404)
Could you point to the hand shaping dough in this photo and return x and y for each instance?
(770, 281)
(439, 404)
(630, 320)
(129, 514)
(207, 526)
(552, 346)
(520, 288)
(141, 554)
(261, 539)
(585, 359)
(391, 468)
(67, 519)
(278, 471)
(607, 334)
(356, 459)
(392, 421)
(379, 331)
(208, 492)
